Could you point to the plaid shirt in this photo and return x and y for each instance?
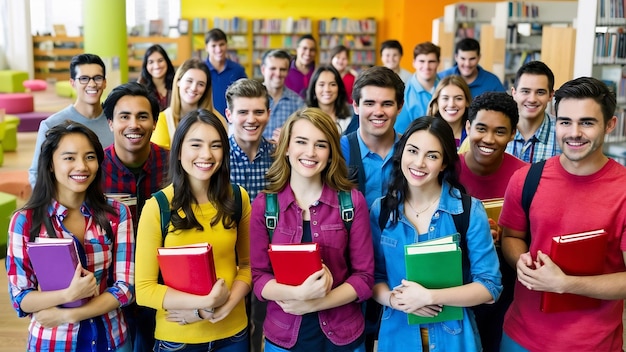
(541, 146)
(117, 178)
(250, 174)
(103, 258)
(280, 110)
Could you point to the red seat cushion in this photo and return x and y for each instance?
(35, 84)
(16, 103)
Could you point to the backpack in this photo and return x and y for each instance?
(271, 211)
(166, 212)
(356, 171)
(528, 192)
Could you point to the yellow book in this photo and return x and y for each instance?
(493, 207)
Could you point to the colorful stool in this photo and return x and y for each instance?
(64, 89)
(10, 133)
(35, 85)
(11, 81)
(16, 103)
(8, 204)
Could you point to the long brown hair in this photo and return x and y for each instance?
(205, 102)
(334, 175)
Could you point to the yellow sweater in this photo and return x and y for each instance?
(225, 243)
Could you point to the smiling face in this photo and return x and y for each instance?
(201, 154)
(452, 103)
(426, 66)
(249, 118)
(132, 124)
(532, 96)
(156, 65)
(274, 71)
(377, 110)
(580, 131)
(326, 89)
(340, 61)
(90, 92)
(422, 159)
(74, 165)
(488, 135)
(391, 58)
(308, 151)
(467, 63)
(217, 50)
(191, 86)
(305, 53)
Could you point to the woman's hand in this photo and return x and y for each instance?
(316, 285)
(52, 317)
(219, 294)
(411, 296)
(182, 316)
(83, 285)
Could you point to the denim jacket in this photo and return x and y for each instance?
(349, 257)
(459, 335)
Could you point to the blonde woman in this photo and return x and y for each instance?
(192, 91)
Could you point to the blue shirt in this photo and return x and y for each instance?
(220, 81)
(541, 146)
(456, 335)
(416, 100)
(484, 82)
(280, 110)
(377, 169)
(250, 174)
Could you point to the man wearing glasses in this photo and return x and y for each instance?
(87, 76)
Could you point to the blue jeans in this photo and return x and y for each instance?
(270, 347)
(237, 343)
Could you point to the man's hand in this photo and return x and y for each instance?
(541, 274)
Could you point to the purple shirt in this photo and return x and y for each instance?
(298, 81)
(349, 257)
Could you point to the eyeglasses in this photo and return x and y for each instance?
(85, 79)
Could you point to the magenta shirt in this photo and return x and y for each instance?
(350, 259)
(297, 81)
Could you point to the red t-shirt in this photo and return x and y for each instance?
(489, 186)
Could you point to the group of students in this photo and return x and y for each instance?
(415, 175)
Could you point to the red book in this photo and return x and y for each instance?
(295, 262)
(54, 261)
(580, 254)
(189, 269)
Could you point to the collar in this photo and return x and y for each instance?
(286, 197)
(365, 150)
(56, 209)
(542, 134)
(120, 165)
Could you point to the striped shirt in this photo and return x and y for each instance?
(250, 174)
(541, 146)
(103, 258)
(280, 110)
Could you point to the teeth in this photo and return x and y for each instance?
(204, 165)
(486, 150)
(417, 173)
(308, 162)
(250, 128)
(133, 136)
(378, 121)
(575, 144)
(91, 91)
(76, 177)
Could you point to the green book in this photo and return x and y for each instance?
(435, 264)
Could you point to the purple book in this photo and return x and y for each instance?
(54, 261)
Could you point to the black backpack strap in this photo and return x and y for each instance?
(166, 213)
(528, 192)
(356, 171)
(383, 217)
(347, 209)
(237, 197)
(461, 222)
(271, 213)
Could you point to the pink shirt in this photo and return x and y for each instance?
(489, 186)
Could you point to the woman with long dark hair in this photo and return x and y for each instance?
(157, 74)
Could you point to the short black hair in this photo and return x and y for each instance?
(307, 37)
(391, 44)
(379, 76)
(215, 35)
(495, 101)
(86, 59)
(535, 68)
(129, 89)
(467, 44)
(587, 88)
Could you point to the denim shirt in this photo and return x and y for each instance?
(349, 257)
(457, 335)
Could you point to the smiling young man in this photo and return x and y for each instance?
(533, 89)
(283, 101)
(580, 190)
(421, 86)
(224, 71)
(485, 170)
(479, 80)
(390, 55)
(302, 67)
(87, 77)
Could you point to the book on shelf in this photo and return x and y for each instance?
(580, 254)
(54, 261)
(293, 263)
(435, 264)
(189, 268)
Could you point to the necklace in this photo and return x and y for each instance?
(417, 213)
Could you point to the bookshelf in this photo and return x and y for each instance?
(524, 27)
(177, 48)
(280, 33)
(359, 35)
(600, 53)
(52, 56)
(238, 34)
